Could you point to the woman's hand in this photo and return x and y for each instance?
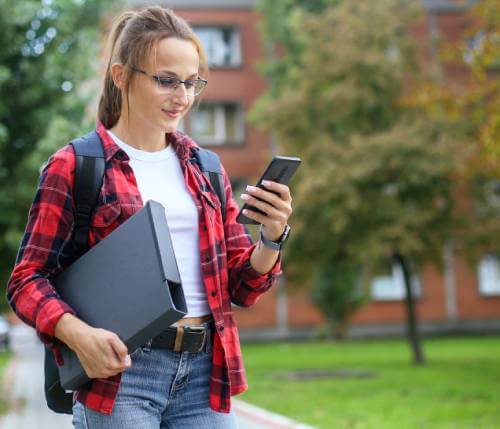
(275, 201)
(102, 353)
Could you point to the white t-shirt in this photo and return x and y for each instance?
(159, 177)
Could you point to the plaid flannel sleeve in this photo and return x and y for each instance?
(246, 285)
(30, 292)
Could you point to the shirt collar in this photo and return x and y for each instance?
(182, 144)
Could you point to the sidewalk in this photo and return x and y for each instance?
(24, 378)
(252, 417)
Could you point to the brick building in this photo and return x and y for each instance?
(461, 298)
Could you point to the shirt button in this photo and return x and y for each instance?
(214, 293)
(221, 328)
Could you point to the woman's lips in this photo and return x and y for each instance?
(172, 113)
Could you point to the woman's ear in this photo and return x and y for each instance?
(117, 73)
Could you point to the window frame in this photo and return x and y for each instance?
(398, 280)
(483, 291)
(220, 118)
(236, 34)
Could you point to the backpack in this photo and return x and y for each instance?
(89, 173)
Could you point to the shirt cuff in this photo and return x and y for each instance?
(46, 321)
(252, 277)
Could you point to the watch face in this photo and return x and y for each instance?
(285, 235)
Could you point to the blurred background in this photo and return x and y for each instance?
(390, 303)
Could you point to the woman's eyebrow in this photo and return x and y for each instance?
(171, 73)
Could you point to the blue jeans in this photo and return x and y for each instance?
(162, 389)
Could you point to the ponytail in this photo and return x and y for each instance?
(110, 103)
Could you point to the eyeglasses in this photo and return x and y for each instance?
(170, 83)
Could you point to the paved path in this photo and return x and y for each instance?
(24, 378)
(252, 417)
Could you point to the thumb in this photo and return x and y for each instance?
(119, 348)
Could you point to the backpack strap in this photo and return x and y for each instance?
(89, 173)
(210, 165)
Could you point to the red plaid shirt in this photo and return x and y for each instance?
(225, 250)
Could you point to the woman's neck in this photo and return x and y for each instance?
(148, 140)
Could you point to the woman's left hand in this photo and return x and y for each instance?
(275, 200)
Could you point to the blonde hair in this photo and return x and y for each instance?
(132, 37)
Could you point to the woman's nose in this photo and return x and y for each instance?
(180, 95)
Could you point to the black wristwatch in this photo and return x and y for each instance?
(275, 245)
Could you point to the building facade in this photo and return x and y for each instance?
(458, 298)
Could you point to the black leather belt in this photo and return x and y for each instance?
(191, 339)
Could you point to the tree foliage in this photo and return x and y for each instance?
(47, 52)
(338, 293)
(376, 174)
(479, 51)
(470, 107)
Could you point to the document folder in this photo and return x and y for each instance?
(127, 283)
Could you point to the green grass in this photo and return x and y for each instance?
(4, 360)
(459, 388)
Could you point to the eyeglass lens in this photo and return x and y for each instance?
(170, 84)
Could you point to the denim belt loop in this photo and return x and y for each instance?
(178, 339)
(147, 347)
(208, 339)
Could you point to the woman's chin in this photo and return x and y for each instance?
(170, 127)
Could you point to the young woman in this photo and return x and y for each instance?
(152, 79)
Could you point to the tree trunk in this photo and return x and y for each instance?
(411, 315)
(341, 329)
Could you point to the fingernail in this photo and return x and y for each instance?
(244, 196)
(266, 182)
(245, 212)
(251, 188)
(128, 361)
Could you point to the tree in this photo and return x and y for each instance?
(44, 62)
(470, 107)
(376, 184)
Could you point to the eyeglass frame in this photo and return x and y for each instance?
(158, 79)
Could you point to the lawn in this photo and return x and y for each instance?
(376, 386)
(4, 360)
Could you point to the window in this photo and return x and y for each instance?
(477, 47)
(216, 124)
(222, 44)
(487, 196)
(238, 185)
(392, 52)
(391, 286)
(489, 275)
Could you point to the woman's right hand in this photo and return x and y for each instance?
(102, 353)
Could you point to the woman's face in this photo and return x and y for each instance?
(150, 104)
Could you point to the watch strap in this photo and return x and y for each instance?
(275, 245)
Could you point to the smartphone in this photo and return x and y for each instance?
(280, 169)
